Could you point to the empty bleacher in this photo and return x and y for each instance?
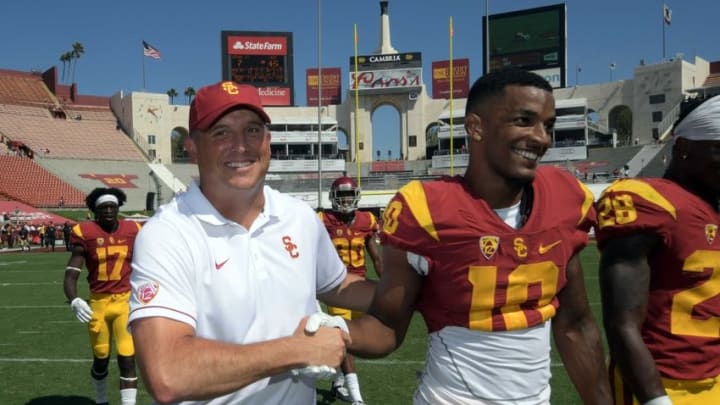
(54, 137)
(132, 177)
(24, 89)
(25, 181)
(90, 113)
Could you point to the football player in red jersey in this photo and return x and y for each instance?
(352, 232)
(491, 261)
(105, 245)
(660, 271)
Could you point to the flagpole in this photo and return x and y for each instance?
(487, 37)
(319, 105)
(143, 67)
(450, 67)
(357, 100)
(664, 22)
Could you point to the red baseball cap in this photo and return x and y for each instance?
(211, 102)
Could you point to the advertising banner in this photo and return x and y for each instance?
(441, 78)
(386, 79)
(331, 86)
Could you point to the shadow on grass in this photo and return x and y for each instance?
(61, 400)
(325, 397)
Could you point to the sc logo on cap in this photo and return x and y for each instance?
(230, 88)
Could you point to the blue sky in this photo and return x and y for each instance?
(35, 33)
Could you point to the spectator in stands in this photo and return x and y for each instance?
(250, 322)
(50, 236)
(61, 203)
(659, 271)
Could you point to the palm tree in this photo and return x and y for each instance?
(77, 51)
(172, 93)
(189, 93)
(65, 59)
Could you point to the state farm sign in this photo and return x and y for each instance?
(257, 45)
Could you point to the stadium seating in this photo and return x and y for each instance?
(26, 181)
(70, 138)
(24, 88)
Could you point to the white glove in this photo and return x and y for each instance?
(319, 319)
(315, 321)
(315, 372)
(82, 310)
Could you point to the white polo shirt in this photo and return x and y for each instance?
(193, 265)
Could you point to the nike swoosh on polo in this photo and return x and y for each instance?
(219, 266)
(544, 249)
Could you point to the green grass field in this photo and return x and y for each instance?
(45, 357)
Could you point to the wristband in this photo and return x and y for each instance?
(73, 268)
(663, 400)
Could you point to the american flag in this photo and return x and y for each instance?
(149, 50)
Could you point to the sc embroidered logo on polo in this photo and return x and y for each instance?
(489, 245)
(710, 233)
(230, 88)
(291, 248)
(146, 292)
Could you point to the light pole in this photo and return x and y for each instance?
(612, 69)
(578, 69)
(319, 103)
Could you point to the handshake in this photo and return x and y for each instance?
(314, 323)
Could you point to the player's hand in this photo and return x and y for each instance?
(318, 319)
(325, 346)
(82, 310)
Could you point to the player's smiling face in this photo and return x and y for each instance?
(234, 152)
(517, 130)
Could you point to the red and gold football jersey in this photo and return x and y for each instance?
(682, 328)
(107, 255)
(349, 240)
(483, 274)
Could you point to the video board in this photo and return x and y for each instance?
(534, 39)
(263, 59)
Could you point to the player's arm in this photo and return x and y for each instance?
(354, 293)
(72, 271)
(383, 328)
(374, 252)
(177, 366)
(577, 338)
(624, 284)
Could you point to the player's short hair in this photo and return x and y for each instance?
(96, 193)
(494, 83)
